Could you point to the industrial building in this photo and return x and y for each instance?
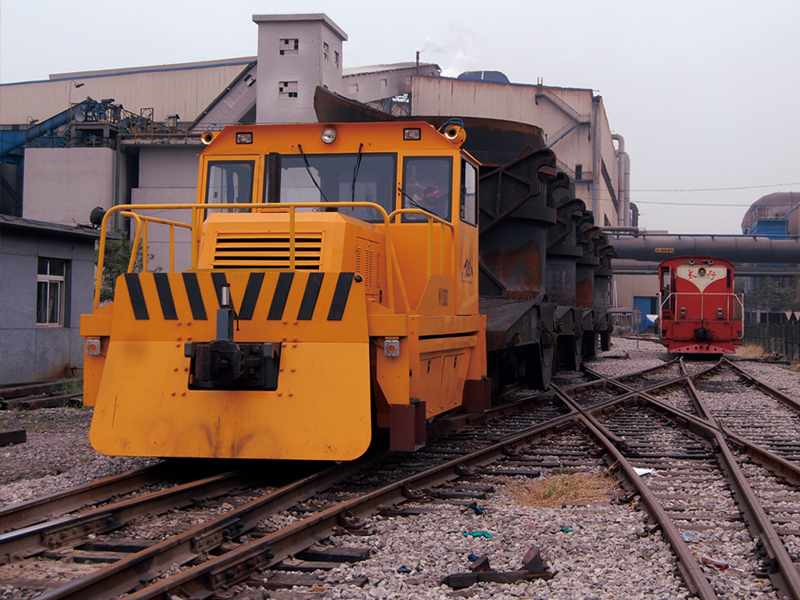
(769, 247)
(103, 138)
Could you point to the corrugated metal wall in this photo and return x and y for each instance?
(185, 90)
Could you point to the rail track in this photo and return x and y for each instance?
(46, 394)
(720, 495)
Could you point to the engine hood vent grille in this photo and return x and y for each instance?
(267, 251)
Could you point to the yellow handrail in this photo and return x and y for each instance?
(141, 225)
(126, 211)
(393, 266)
(144, 243)
(431, 218)
(134, 249)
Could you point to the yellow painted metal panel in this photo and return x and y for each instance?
(443, 375)
(96, 325)
(387, 325)
(448, 343)
(321, 410)
(438, 297)
(430, 326)
(467, 275)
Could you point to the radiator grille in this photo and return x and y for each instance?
(267, 251)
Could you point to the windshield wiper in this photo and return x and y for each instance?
(355, 175)
(310, 174)
(418, 205)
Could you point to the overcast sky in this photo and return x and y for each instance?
(705, 92)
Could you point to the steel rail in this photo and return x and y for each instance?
(684, 379)
(40, 509)
(604, 382)
(459, 421)
(787, 576)
(71, 530)
(238, 564)
(789, 470)
(692, 572)
(769, 459)
(128, 573)
(778, 395)
(705, 371)
(648, 370)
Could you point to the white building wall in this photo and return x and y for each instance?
(168, 175)
(367, 84)
(286, 82)
(63, 185)
(555, 110)
(629, 286)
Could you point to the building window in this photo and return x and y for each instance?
(325, 49)
(289, 46)
(287, 89)
(50, 292)
(578, 172)
(384, 84)
(353, 88)
(335, 59)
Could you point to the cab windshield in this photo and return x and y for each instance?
(341, 178)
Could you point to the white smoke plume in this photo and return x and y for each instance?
(452, 52)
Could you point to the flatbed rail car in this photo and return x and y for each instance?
(332, 289)
(699, 313)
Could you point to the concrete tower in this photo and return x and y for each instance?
(296, 53)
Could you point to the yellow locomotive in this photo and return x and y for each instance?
(333, 289)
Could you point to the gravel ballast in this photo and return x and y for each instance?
(599, 551)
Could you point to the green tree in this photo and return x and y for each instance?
(771, 295)
(115, 262)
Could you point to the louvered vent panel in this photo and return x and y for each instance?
(368, 265)
(267, 251)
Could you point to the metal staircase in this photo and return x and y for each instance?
(576, 118)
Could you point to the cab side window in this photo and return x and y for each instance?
(469, 193)
(427, 185)
(230, 182)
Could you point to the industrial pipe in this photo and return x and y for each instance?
(624, 182)
(735, 248)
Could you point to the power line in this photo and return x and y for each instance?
(748, 187)
(638, 202)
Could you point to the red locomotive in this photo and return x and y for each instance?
(698, 311)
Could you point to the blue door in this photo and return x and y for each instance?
(649, 306)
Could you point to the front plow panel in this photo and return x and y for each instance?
(320, 409)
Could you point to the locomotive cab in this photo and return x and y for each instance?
(332, 288)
